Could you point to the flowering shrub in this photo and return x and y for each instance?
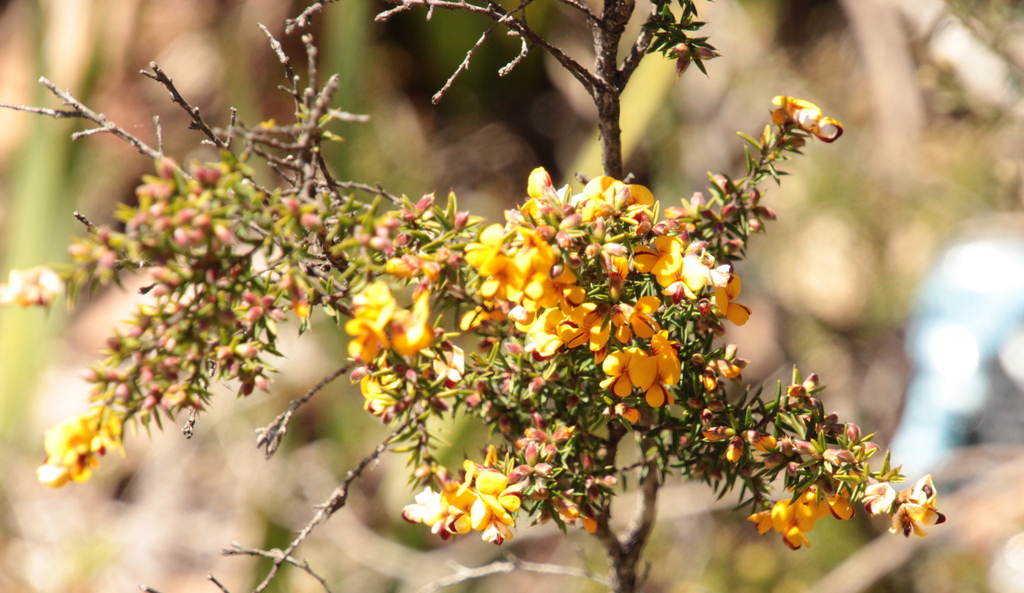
(588, 332)
(589, 317)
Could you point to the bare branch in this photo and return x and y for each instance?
(190, 425)
(497, 13)
(219, 585)
(463, 66)
(237, 549)
(463, 573)
(54, 113)
(159, 133)
(89, 226)
(80, 111)
(373, 189)
(523, 51)
(279, 51)
(639, 49)
(592, 18)
(331, 505)
(269, 437)
(193, 112)
(306, 16)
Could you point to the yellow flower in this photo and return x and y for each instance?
(74, 446)
(663, 260)
(545, 334)
(412, 331)
(667, 370)
(541, 190)
(489, 258)
(587, 325)
(795, 518)
(35, 286)
(475, 318)
(452, 366)
(372, 311)
(487, 255)
(446, 512)
(378, 394)
(644, 326)
(807, 116)
(629, 368)
(603, 196)
(531, 261)
(724, 295)
(496, 501)
(916, 507)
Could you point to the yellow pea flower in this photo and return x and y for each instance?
(724, 295)
(628, 368)
(412, 331)
(73, 447)
(807, 116)
(372, 311)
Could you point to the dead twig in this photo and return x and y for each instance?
(463, 573)
(276, 555)
(80, 111)
(269, 436)
(197, 121)
(324, 511)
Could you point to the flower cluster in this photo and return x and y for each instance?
(795, 518)
(35, 286)
(378, 324)
(73, 447)
(910, 509)
(484, 501)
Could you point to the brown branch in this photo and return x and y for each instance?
(269, 436)
(497, 13)
(331, 505)
(193, 112)
(281, 56)
(373, 189)
(512, 562)
(80, 111)
(638, 50)
(218, 584)
(463, 66)
(276, 555)
(306, 16)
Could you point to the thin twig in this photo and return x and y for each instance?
(373, 189)
(80, 111)
(147, 589)
(279, 51)
(306, 16)
(269, 436)
(639, 49)
(159, 133)
(89, 226)
(497, 13)
(523, 51)
(462, 66)
(219, 584)
(512, 562)
(237, 549)
(197, 121)
(331, 505)
(190, 425)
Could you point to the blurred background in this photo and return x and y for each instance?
(895, 271)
